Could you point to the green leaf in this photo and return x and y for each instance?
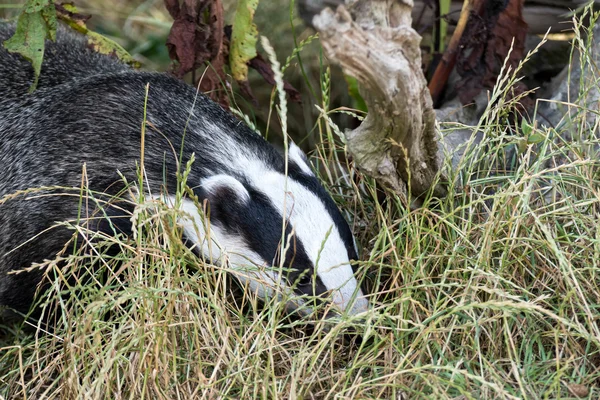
(104, 45)
(36, 22)
(244, 35)
(535, 138)
(526, 128)
(522, 145)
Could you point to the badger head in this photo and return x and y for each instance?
(277, 232)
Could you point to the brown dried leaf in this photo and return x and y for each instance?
(172, 7)
(510, 25)
(214, 77)
(189, 40)
(197, 39)
(486, 43)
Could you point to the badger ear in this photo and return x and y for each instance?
(224, 188)
(296, 155)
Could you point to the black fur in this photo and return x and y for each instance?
(89, 108)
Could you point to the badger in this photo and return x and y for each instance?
(88, 109)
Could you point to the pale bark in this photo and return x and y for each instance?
(374, 42)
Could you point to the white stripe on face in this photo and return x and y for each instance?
(314, 228)
(317, 232)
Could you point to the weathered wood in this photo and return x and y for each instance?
(397, 143)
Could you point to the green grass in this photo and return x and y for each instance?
(490, 293)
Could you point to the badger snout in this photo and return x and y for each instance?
(348, 298)
(356, 305)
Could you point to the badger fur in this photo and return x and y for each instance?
(89, 109)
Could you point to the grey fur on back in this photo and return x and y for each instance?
(89, 108)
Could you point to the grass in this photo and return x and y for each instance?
(490, 293)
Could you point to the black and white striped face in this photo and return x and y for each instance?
(255, 212)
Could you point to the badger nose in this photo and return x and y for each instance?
(350, 305)
(361, 304)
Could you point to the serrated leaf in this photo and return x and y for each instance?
(535, 138)
(244, 35)
(36, 22)
(34, 6)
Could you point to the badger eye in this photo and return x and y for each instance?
(304, 280)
